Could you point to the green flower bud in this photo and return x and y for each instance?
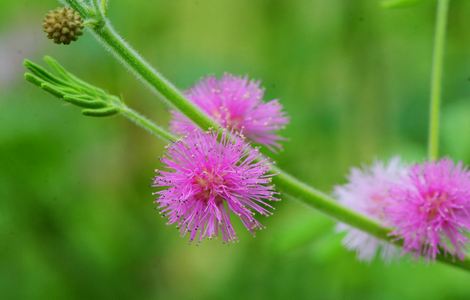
(63, 25)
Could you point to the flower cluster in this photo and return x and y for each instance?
(427, 204)
(208, 176)
(235, 103)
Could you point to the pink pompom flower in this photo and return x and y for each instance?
(431, 209)
(367, 192)
(206, 178)
(236, 104)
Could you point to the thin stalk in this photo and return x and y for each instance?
(146, 124)
(436, 78)
(328, 205)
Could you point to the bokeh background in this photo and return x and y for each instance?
(77, 218)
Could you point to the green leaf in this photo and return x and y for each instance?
(85, 102)
(42, 73)
(54, 64)
(52, 89)
(103, 112)
(71, 79)
(33, 79)
(71, 89)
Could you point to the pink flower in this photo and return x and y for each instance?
(431, 211)
(367, 192)
(207, 178)
(235, 103)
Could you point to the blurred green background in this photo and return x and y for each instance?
(77, 219)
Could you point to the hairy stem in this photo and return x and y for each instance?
(150, 76)
(328, 205)
(436, 78)
(146, 124)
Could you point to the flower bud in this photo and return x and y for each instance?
(63, 25)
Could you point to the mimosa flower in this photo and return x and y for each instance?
(207, 178)
(431, 211)
(236, 103)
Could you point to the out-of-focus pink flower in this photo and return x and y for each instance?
(431, 209)
(236, 103)
(206, 179)
(367, 192)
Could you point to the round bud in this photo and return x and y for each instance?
(63, 25)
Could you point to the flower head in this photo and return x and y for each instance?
(236, 104)
(367, 192)
(431, 209)
(206, 178)
(63, 25)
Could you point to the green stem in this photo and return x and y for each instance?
(146, 124)
(324, 203)
(149, 75)
(284, 181)
(436, 78)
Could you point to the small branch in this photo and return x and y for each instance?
(146, 124)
